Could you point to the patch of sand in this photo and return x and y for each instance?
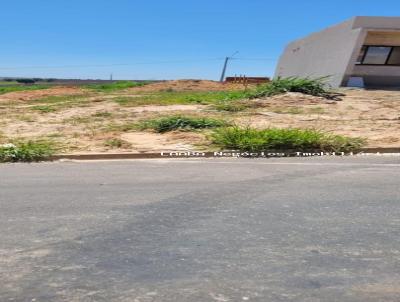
(294, 99)
(55, 122)
(174, 141)
(168, 108)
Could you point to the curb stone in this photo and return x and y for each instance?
(192, 154)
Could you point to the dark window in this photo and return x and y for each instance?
(362, 54)
(379, 55)
(394, 56)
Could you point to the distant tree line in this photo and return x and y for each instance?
(29, 80)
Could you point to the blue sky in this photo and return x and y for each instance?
(157, 39)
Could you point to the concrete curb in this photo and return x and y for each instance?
(95, 156)
(191, 154)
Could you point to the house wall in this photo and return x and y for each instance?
(333, 52)
(378, 75)
(326, 53)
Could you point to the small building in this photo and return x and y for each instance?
(363, 51)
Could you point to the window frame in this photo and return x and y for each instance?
(387, 59)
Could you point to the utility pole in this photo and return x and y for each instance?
(225, 66)
(111, 77)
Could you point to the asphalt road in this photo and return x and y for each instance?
(201, 230)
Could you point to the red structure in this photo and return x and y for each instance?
(247, 80)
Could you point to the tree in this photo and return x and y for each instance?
(26, 81)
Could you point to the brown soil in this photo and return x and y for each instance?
(188, 85)
(373, 114)
(37, 94)
(173, 141)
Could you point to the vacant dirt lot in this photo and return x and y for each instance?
(87, 120)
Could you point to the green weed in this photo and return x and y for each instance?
(54, 103)
(117, 143)
(179, 97)
(26, 151)
(15, 88)
(119, 85)
(289, 110)
(179, 122)
(230, 106)
(315, 87)
(251, 139)
(102, 114)
(44, 108)
(316, 110)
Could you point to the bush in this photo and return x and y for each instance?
(315, 87)
(26, 151)
(250, 139)
(176, 122)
